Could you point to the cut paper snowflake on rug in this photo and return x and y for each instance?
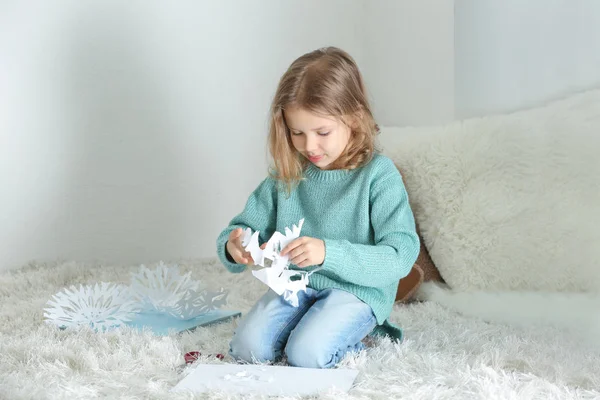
(100, 306)
(162, 300)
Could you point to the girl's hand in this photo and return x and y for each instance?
(235, 248)
(305, 251)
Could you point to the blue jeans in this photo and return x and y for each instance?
(325, 326)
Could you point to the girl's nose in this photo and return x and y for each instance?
(311, 144)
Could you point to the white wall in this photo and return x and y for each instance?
(409, 60)
(133, 133)
(513, 54)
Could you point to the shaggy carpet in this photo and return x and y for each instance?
(445, 355)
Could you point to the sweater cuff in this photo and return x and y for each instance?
(334, 256)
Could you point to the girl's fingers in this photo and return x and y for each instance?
(291, 246)
(299, 259)
(241, 257)
(303, 263)
(297, 252)
(237, 256)
(234, 238)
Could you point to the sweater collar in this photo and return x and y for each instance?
(315, 173)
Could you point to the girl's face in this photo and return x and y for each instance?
(321, 139)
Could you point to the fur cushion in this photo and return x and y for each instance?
(509, 202)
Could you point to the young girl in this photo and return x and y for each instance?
(358, 225)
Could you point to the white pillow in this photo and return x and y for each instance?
(509, 201)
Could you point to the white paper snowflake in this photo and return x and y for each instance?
(162, 288)
(278, 276)
(194, 303)
(165, 290)
(101, 306)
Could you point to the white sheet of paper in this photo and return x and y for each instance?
(265, 380)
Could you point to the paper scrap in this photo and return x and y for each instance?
(265, 380)
(245, 376)
(278, 276)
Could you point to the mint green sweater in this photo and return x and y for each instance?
(362, 215)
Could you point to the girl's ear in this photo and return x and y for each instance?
(355, 119)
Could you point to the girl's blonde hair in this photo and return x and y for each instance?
(326, 81)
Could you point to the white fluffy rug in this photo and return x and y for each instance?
(444, 356)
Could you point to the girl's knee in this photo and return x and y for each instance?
(248, 346)
(252, 342)
(305, 353)
(305, 358)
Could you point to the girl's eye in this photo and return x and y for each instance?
(296, 133)
(323, 133)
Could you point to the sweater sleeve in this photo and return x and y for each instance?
(396, 243)
(259, 214)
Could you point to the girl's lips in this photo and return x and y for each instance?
(315, 159)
